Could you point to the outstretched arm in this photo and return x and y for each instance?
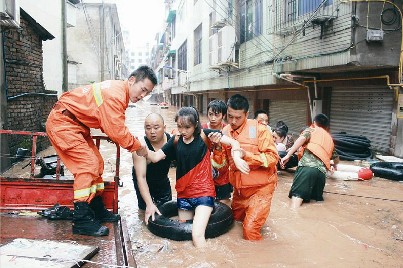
(155, 156)
(140, 167)
(298, 143)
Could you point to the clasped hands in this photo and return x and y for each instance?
(237, 153)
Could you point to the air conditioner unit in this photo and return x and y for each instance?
(10, 14)
(213, 47)
(228, 46)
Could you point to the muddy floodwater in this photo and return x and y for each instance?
(358, 225)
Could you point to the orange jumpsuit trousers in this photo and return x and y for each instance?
(252, 206)
(73, 143)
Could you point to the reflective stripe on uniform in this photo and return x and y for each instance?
(216, 165)
(100, 186)
(264, 159)
(97, 94)
(82, 193)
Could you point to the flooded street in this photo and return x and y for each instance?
(358, 225)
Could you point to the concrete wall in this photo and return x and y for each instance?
(48, 13)
(88, 47)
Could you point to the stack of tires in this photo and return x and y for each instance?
(350, 147)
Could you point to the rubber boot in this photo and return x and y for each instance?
(101, 213)
(84, 221)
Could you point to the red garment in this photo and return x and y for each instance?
(261, 155)
(198, 181)
(99, 106)
(253, 192)
(103, 106)
(320, 144)
(223, 169)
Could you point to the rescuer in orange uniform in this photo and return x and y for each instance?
(253, 192)
(99, 106)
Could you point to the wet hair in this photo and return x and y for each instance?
(322, 121)
(238, 102)
(190, 116)
(281, 124)
(144, 72)
(217, 106)
(261, 112)
(280, 132)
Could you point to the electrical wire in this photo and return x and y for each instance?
(363, 196)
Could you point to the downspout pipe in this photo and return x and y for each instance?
(288, 78)
(64, 47)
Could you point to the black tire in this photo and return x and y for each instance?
(352, 157)
(221, 220)
(345, 136)
(388, 170)
(351, 144)
(350, 149)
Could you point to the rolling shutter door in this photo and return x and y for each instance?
(292, 112)
(363, 111)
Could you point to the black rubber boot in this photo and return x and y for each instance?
(84, 221)
(101, 213)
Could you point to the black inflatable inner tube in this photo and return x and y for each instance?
(220, 222)
(364, 154)
(346, 136)
(351, 144)
(350, 149)
(388, 170)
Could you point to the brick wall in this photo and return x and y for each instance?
(28, 102)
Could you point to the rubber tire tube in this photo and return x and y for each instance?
(221, 220)
(388, 170)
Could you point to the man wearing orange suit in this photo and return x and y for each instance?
(99, 106)
(253, 192)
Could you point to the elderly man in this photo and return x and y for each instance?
(99, 106)
(151, 180)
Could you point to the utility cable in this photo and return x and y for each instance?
(369, 197)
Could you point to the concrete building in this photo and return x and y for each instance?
(95, 46)
(295, 59)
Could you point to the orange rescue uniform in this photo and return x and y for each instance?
(254, 191)
(99, 106)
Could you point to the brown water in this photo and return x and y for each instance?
(358, 225)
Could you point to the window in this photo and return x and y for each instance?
(251, 14)
(295, 8)
(198, 45)
(212, 20)
(182, 52)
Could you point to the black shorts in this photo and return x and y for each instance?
(223, 191)
(308, 184)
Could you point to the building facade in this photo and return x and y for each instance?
(294, 59)
(95, 46)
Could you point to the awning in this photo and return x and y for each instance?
(172, 52)
(171, 16)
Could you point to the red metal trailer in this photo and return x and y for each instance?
(21, 194)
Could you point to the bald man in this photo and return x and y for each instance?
(151, 180)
